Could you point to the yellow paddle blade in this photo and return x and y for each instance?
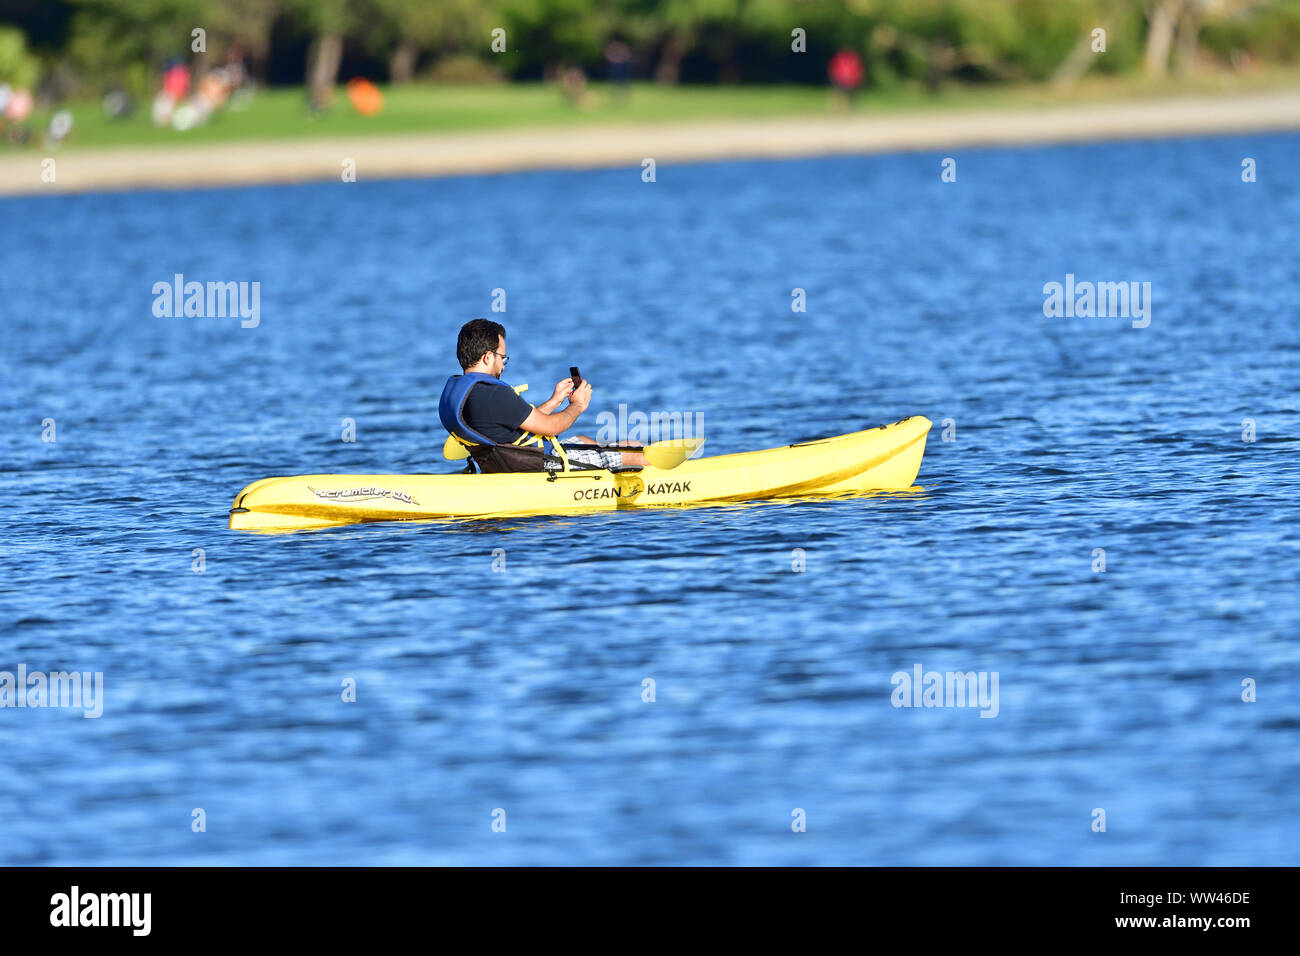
(671, 453)
(453, 450)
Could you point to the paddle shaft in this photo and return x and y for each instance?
(663, 455)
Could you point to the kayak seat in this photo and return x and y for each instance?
(502, 459)
(499, 459)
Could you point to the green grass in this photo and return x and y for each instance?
(281, 114)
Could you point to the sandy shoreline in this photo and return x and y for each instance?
(448, 154)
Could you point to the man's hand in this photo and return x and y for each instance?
(581, 396)
(563, 388)
(544, 420)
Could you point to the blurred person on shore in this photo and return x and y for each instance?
(210, 94)
(573, 84)
(319, 100)
(175, 87)
(117, 104)
(618, 57)
(845, 71)
(15, 107)
(239, 81)
(59, 128)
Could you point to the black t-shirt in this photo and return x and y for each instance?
(495, 411)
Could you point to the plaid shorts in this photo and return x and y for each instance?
(593, 459)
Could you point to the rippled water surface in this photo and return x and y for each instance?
(521, 689)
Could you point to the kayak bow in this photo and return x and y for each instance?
(876, 459)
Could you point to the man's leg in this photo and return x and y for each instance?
(631, 459)
(621, 444)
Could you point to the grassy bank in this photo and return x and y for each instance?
(278, 114)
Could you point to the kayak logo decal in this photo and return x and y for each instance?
(361, 494)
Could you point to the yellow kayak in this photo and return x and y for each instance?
(887, 457)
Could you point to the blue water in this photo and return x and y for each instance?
(521, 689)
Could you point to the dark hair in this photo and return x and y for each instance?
(476, 337)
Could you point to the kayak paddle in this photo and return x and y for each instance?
(671, 453)
(661, 454)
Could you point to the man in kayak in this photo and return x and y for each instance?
(484, 407)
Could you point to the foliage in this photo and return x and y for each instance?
(902, 42)
(17, 66)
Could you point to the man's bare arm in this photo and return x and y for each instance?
(540, 422)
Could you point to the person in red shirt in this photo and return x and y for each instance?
(176, 81)
(846, 71)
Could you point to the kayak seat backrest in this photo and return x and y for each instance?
(451, 404)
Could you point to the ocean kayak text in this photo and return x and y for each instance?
(662, 488)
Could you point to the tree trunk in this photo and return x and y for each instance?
(200, 66)
(401, 65)
(1189, 30)
(670, 60)
(940, 60)
(1162, 16)
(1075, 65)
(323, 67)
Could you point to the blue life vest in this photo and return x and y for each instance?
(452, 403)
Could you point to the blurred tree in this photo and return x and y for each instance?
(109, 36)
(1189, 28)
(1175, 25)
(46, 23)
(402, 30)
(544, 35)
(242, 24)
(828, 25)
(901, 41)
(328, 21)
(1198, 14)
(17, 66)
(1251, 29)
(683, 23)
(131, 38)
(1162, 20)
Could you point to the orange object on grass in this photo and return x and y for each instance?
(365, 96)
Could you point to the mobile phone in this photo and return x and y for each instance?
(577, 376)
